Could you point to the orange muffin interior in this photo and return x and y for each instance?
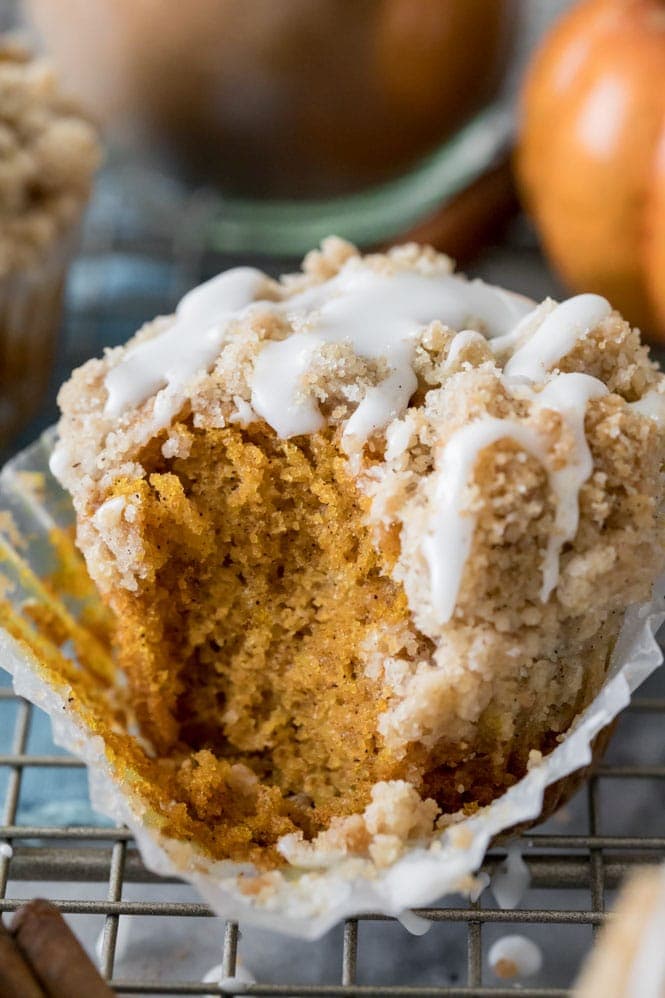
(244, 647)
(262, 582)
(363, 571)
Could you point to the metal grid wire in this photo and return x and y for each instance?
(131, 268)
(561, 862)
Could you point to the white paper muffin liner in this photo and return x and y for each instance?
(30, 313)
(298, 901)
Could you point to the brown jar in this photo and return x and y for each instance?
(283, 98)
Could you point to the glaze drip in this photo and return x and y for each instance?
(447, 544)
(380, 315)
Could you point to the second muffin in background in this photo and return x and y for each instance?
(48, 154)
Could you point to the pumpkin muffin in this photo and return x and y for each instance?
(628, 960)
(369, 533)
(48, 155)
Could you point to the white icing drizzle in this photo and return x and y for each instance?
(464, 339)
(237, 984)
(109, 513)
(507, 342)
(646, 978)
(510, 883)
(447, 544)
(277, 394)
(189, 345)
(415, 924)
(557, 335)
(378, 314)
(652, 404)
(569, 395)
(244, 414)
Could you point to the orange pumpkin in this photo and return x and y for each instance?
(591, 155)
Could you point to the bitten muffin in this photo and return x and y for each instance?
(369, 533)
(48, 155)
(629, 960)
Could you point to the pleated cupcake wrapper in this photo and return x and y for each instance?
(30, 314)
(297, 901)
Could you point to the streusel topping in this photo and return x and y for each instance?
(369, 531)
(48, 155)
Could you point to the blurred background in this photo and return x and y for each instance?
(525, 138)
(244, 131)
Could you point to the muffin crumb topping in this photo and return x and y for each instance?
(370, 532)
(48, 154)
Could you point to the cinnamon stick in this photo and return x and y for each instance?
(16, 978)
(471, 221)
(57, 959)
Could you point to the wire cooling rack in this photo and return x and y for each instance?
(132, 267)
(566, 868)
